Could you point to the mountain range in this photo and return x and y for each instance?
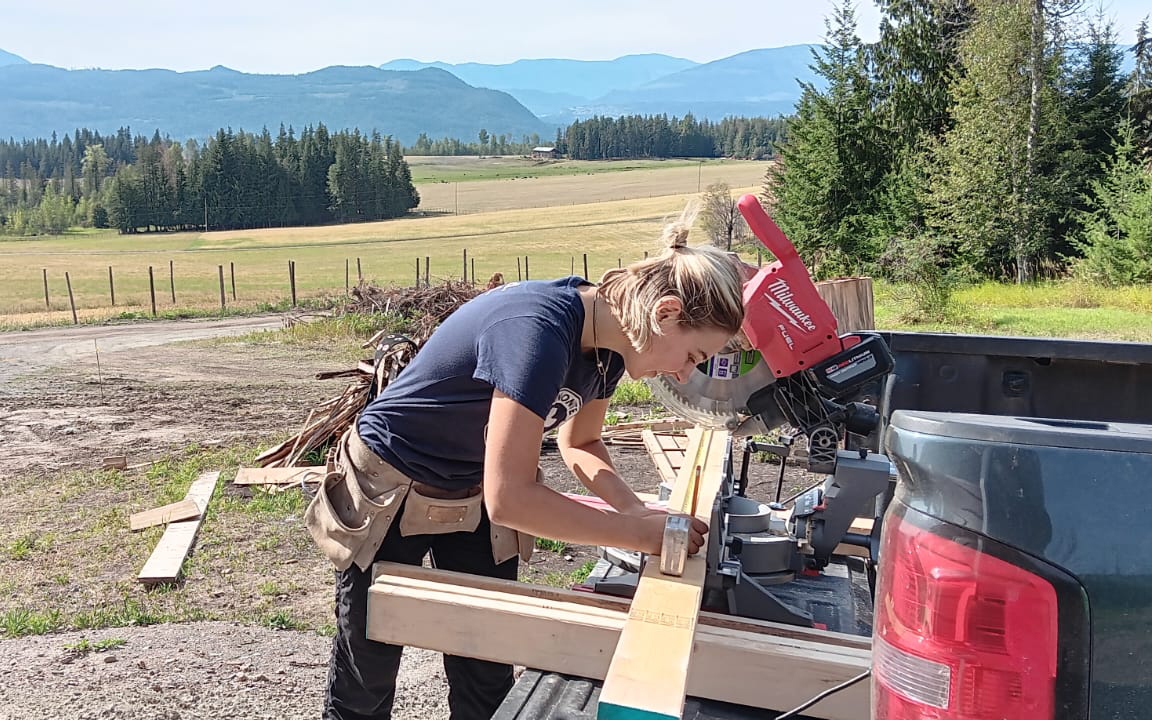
(402, 98)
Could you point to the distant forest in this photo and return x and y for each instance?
(136, 183)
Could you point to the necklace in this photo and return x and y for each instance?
(595, 346)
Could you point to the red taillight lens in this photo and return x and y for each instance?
(959, 634)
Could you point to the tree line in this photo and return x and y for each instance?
(655, 136)
(975, 139)
(234, 180)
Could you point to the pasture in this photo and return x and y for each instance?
(603, 225)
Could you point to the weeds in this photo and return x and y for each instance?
(283, 620)
(19, 622)
(555, 546)
(581, 573)
(85, 646)
(632, 392)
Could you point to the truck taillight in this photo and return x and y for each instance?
(959, 634)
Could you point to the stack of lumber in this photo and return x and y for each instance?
(632, 433)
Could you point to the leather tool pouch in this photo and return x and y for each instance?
(424, 515)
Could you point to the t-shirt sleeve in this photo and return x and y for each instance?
(526, 359)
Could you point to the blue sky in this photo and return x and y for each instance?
(293, 36)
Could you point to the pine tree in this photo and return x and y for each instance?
(823, 191)
(1117, 240)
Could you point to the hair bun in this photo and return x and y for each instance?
(676, 235)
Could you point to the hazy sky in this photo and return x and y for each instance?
(293, 36)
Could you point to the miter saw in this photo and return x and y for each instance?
(793, 370)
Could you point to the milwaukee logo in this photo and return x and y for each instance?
(779, 296)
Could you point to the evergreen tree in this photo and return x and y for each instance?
(1117, 240)
(823, 190)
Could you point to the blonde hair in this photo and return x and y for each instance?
(704, 279)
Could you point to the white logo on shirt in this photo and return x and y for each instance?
(566, 405)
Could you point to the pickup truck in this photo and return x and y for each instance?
(1015, 555)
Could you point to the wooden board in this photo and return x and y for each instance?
(560, 633)
(278, 476)
(163, 566)
(649, 671)
(180, 510)
(667, 459)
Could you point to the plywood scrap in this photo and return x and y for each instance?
(649, 671)
(577, 633)
(279, 476)
(173, 512)
(163, 566)
(114, 462)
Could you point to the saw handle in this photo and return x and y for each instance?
(769, 234)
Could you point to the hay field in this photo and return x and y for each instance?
(602, 182)
(554, 243)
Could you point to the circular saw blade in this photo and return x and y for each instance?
(716, 395)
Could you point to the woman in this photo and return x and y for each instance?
(445, 460)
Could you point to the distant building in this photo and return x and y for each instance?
(544, 153)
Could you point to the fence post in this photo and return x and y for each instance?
(571, 265)
(48, 305)
(519, 276)
(427, 276)
(347, 287)
(525, 267)
(417, 272)
(220, 269)
(111, 286)
(465, 275)
(292, 279)
(71, 300)
(152, 290)
(759, 258)
(473, 272)
(232, 274)
(172, 280)
(360, 273)
(585, 266)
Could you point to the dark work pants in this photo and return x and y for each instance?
(362, 672)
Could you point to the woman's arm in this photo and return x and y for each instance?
(589, 460)
(514, 498)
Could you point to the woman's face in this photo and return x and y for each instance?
(676, 352)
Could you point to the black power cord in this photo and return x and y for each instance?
(830, 691)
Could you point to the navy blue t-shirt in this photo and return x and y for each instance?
(522, 338)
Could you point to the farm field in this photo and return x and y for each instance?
(554, 242)
(582, 183)
(468, 168)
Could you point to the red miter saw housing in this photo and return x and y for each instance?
(784, 317)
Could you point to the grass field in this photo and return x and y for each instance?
(514, 186)
(468, 168)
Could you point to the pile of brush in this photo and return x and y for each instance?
(421, 309)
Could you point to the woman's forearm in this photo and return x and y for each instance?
(592, 465)
(543, 512)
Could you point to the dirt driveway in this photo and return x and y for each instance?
(71, 396)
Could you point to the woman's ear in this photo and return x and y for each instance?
(668, 310)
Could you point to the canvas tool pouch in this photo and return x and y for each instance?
(356, 504)
(431, 511)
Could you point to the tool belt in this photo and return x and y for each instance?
(361, 496)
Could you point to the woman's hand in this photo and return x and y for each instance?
(652, 531)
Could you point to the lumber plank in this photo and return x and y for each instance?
(649, 671)
(278, 476)
(168, 556)
(659, 457)
(465, 583)
(555, 635)
(172, 512)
